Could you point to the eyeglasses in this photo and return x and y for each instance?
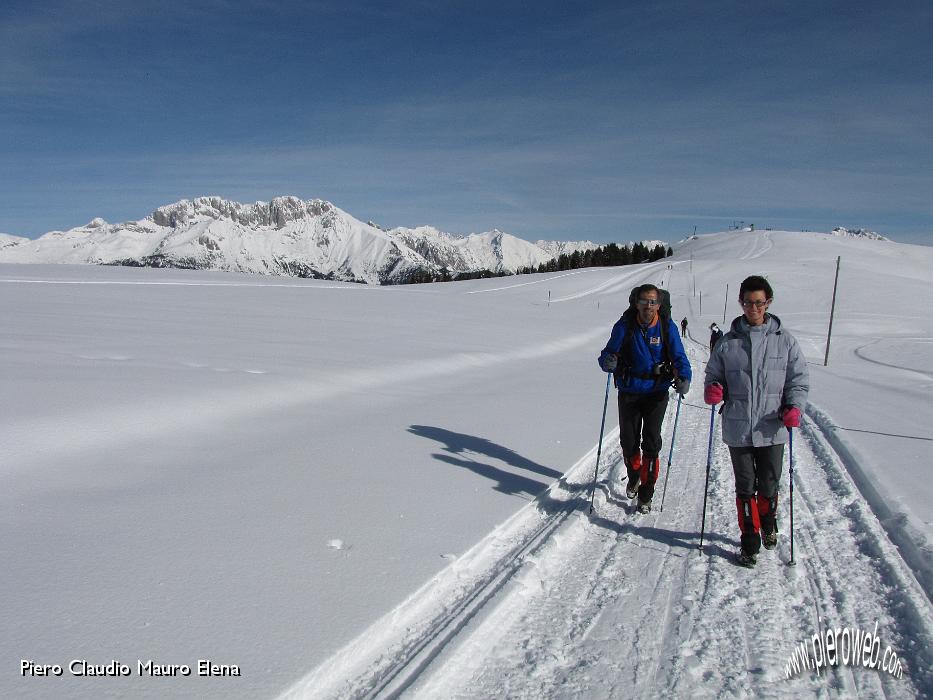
(757, 304)
(648, 302)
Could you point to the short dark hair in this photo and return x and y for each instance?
(646, 288)
(755, 283)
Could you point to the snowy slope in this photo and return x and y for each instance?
(879, 360)
(555, 249)
(7, 240)
(347, 489)
(287, 236)
(561, 602)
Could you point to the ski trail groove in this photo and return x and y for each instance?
(571, 656)
(430, 645)
(384, 661)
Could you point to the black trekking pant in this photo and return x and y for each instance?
(640, 419)
(757, 476)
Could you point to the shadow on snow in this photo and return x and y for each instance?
(461, 448)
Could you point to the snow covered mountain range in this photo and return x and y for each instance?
(287, 236)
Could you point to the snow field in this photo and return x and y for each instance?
(266, 471)
(618, 604)
(662, 620)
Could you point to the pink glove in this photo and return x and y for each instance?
(791, 417)
(712, 394)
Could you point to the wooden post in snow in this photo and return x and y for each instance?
(832, 312)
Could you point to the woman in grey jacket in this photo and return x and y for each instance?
(761, 374)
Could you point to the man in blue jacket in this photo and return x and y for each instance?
(646, 356)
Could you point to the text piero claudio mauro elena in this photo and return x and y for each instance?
(118, 669)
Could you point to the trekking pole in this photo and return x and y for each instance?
(599, 449)
(709, 461)
(790, 437)
(670, 456)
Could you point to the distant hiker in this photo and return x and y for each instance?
(646, 356)
(760, 372)
(715, 333)
(683, 327)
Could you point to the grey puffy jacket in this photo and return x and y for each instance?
(762, 370)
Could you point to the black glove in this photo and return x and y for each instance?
(681, 386)
(609, 362)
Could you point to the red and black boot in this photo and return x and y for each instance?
(633, 467)
(649, 475)
(750, 525)
(767, 513)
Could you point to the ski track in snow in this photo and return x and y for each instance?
(618, 283)
(560, 603)
(860, 352)
(525, 284)
(755, 246)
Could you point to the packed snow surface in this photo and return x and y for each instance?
(357, 491)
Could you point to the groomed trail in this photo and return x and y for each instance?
(558, 602)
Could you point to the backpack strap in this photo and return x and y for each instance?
(624, 368)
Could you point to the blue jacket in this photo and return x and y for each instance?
(646, 352)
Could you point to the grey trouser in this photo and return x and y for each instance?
(757, 475)
(757, 470)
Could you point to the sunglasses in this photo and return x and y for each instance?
(648, 302)
(756, 304)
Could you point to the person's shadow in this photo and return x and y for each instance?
(461, 450)
(471, 452)
(671, 538)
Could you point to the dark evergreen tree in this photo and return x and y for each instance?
(609, 255)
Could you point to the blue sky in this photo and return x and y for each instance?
(605, 121)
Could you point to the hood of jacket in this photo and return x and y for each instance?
(740, 325)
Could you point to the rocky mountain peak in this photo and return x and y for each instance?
(278, 213)
(858, 233)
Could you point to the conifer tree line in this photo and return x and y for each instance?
(610, 255)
